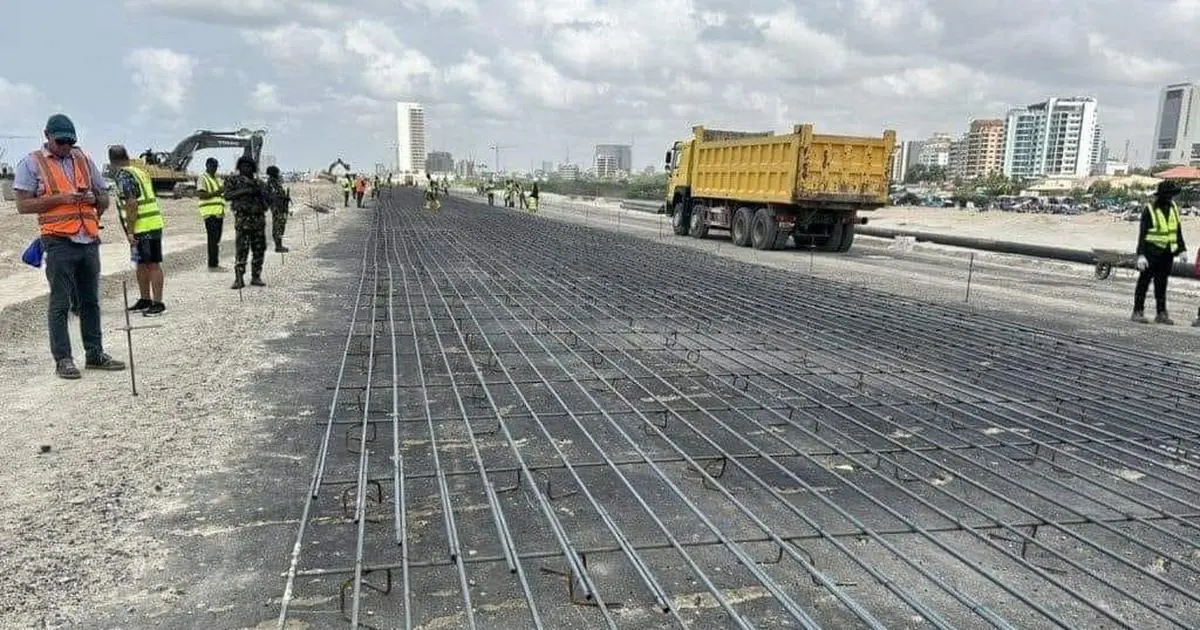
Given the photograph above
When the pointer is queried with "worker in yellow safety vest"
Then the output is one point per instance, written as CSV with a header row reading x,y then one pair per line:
x,y
346,186
211,192
1160,240
142,220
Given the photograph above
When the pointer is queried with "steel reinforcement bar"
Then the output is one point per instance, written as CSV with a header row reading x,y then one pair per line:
x,y
538,424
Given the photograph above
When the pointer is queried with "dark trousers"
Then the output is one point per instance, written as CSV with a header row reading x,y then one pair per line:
x,y
213,226
73,271
358,198
346,198
1158,272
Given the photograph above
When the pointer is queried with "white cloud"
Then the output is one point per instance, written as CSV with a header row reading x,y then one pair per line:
x,y
476,76
539,79
265,99
163,77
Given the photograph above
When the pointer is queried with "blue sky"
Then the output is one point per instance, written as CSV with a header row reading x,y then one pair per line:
x,y
558,76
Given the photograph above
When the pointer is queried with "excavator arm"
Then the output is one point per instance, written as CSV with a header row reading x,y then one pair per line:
x,y
334,165
251,143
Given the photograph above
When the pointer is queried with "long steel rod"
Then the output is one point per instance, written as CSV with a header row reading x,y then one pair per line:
x,y
319,464
399,494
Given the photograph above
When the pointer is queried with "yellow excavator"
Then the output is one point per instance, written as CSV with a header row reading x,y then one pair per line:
x,y
328,174
168,170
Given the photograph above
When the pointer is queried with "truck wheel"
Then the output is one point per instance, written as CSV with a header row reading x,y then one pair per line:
x,y
699,224
742,222
680,222
847,238
833,242
764,230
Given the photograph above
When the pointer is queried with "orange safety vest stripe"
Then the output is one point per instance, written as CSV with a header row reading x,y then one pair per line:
x,y
67,219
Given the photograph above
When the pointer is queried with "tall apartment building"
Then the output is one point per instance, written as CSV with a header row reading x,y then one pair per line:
x,y
410,138
903,159
1177,130
439,162
1057,137
936,150
956,166
619,155
984,149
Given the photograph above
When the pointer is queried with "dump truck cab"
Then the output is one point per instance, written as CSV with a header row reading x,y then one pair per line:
x,y
677,165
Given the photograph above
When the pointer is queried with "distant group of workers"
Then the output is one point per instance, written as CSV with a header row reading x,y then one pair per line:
x,y
62,186
514,195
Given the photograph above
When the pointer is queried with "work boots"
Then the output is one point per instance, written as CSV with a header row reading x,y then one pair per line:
x,y
257,281
1163,318
238,282
1139,317
279,248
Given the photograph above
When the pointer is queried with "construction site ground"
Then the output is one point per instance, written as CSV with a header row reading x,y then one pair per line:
x,y
179,508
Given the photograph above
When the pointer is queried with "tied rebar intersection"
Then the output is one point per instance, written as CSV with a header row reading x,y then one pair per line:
x,y
542,425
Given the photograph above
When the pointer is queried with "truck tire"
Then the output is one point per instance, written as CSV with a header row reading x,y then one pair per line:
x,y
699,224
680,221
764,230
833,242
847,238
740,230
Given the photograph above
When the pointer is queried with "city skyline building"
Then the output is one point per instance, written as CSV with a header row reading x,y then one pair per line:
x,y
411,138
1177,126
1056,137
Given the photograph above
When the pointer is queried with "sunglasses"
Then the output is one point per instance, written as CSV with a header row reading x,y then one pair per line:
x,y
64,143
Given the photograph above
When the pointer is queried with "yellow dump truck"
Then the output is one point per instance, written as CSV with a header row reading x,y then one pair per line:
x,y
765,187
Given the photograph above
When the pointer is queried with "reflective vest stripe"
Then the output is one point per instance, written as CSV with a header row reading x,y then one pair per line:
x,y
69,219
213,206
1164,227
149,215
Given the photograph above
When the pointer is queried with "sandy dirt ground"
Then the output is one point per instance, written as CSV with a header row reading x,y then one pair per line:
x,y
1086,232
88,468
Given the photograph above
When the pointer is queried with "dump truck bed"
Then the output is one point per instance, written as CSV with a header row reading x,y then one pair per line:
x,y
800,168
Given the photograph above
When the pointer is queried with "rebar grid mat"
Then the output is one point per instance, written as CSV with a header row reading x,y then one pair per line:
x,y
543,425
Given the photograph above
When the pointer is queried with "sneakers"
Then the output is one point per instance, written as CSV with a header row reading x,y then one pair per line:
x,y
104,362
154,310
1139,317
141,305
65,368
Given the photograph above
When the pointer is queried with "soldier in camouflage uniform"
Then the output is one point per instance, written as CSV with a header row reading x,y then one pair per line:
x,y
278,200
248,200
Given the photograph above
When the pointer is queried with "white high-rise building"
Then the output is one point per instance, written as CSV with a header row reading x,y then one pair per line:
x,y
1177,130
411,138
1058,137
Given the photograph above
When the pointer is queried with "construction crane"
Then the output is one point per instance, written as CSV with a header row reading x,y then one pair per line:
x,y
496,148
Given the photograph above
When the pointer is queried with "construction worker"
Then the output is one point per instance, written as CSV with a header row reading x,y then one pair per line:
x,y
62,186
431,195
248,201
1160,240
212,210
533,198
346,185
142,221
508,193
279,199
360,190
